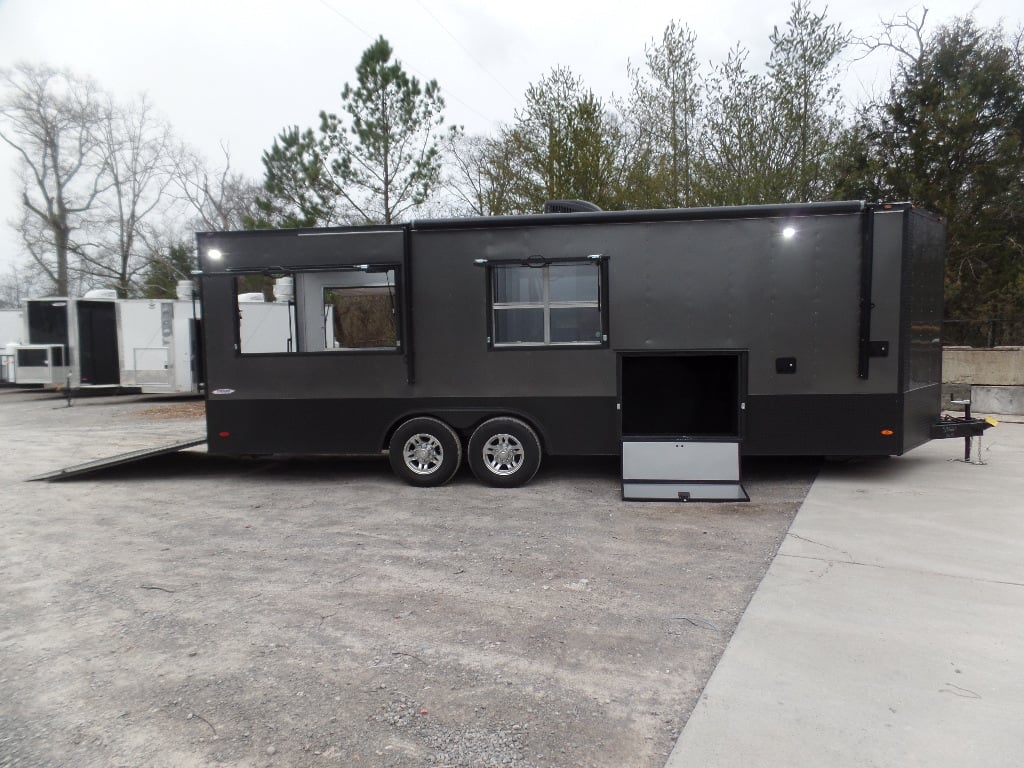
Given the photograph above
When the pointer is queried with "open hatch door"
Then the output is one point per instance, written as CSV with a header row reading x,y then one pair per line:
x,y
681,426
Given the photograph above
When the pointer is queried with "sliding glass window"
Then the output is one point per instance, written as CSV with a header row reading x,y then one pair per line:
x,y
550,304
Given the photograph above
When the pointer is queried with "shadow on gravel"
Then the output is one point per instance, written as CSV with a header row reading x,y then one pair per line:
x,y
185,464
180,466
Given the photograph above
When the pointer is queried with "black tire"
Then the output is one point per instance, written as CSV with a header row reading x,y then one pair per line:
x,y
504,452
425,452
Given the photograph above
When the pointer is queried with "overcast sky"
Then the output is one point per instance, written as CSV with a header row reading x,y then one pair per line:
x,y
238,71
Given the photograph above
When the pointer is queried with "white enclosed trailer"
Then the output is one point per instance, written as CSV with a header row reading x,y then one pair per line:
x,y
266,327
12,326
158,340
11,330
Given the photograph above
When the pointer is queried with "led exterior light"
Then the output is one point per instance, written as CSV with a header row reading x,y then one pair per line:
x,y
789,232
214,254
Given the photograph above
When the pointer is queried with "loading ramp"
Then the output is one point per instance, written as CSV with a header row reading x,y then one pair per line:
x,y
114,461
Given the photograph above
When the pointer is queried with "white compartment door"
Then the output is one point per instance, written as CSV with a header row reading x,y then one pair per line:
x,y
681,470
152,365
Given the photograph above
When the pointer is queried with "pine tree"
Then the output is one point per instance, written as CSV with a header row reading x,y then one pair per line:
x,y
386,157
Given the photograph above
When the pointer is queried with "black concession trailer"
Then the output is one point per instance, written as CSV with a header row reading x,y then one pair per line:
x,y
678,339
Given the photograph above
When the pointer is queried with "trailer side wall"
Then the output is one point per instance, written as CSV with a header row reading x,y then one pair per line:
x,y
785,290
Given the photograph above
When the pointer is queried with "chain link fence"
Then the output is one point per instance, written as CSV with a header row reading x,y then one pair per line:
x,y
1000,332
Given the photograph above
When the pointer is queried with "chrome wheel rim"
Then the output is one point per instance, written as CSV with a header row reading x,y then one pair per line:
x,y
503,454
423,454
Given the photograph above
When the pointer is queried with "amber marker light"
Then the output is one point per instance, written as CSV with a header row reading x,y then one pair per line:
x,y
888,432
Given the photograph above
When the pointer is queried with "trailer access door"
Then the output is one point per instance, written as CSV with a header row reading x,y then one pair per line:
x,y
682,417
97,343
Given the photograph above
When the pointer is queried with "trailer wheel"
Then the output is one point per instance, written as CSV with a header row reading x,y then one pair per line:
x,y
425,452
504,452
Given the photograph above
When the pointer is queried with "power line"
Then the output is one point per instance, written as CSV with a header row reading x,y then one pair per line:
x,y
464,49
346,18
450,94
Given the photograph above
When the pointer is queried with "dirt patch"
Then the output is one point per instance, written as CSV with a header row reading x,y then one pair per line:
x,y
185,409
196,611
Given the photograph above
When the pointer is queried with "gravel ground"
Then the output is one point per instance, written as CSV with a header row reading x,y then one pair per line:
x,y
191,610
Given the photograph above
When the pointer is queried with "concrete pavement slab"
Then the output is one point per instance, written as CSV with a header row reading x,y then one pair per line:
x,y
889,631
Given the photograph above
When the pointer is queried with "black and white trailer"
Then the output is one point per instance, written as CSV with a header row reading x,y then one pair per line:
x,y
678,339
70,342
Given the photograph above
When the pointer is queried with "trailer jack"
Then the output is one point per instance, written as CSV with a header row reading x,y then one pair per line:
x,y
963,426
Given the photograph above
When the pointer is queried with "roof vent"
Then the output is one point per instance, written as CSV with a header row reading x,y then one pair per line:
x,y
185,290
284,288
101,293
570,206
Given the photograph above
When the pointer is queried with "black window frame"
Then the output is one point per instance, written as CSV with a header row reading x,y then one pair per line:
x,y
600,262
297,330
393,292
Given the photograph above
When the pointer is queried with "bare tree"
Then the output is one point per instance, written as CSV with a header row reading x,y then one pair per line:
x,y
902,35
138,162
17,284
478,176
52,120
218,198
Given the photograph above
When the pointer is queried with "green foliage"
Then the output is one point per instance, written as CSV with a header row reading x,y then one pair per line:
x,y
805,89
949,138
166,269
296,192
563,145
373,164
732,137
387,159
776,137
740,149
663,113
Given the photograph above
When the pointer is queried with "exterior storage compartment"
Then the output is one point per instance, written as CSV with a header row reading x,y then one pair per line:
x,y
681,470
